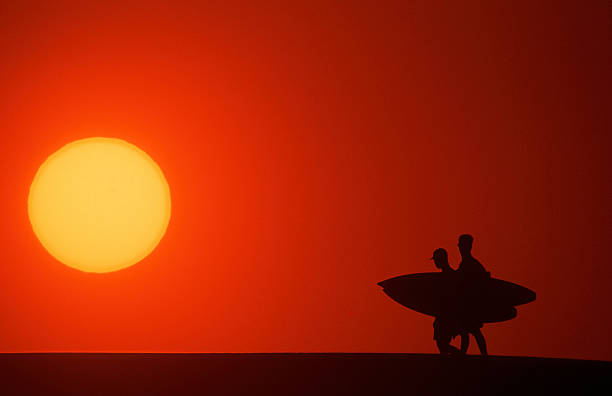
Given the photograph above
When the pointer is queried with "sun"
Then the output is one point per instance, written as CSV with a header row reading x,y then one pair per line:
x,y
99,204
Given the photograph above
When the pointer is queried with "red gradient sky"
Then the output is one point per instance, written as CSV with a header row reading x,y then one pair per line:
x,y
313,150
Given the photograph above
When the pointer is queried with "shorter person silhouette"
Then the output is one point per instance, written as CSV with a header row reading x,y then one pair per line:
x,y
446,323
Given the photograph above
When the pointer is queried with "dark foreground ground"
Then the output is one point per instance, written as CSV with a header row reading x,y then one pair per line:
x,y
297,374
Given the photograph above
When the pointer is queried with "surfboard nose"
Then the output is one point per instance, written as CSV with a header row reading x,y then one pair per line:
x,y
529,296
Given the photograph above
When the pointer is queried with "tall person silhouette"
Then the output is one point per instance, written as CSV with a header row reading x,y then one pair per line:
x,y
471,273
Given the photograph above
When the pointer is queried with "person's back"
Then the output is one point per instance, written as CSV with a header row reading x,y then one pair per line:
x,y
471,266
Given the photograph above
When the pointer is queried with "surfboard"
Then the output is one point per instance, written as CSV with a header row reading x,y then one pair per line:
x,y
491,300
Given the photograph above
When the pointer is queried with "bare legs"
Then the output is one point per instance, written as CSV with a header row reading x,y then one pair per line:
x,y
443,339
480,340
443,346
446,348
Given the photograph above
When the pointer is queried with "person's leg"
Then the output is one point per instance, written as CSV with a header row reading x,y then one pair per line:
x,y
442,346
480,340
443,340
453,351
465,342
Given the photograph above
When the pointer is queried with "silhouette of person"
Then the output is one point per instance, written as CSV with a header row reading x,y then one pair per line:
x,y
470,272
445,325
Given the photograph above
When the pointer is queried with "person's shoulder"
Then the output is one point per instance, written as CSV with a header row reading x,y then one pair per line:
x,y
471,265
479,264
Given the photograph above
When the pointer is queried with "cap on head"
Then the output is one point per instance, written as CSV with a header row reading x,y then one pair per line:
x,y
439,253
466,240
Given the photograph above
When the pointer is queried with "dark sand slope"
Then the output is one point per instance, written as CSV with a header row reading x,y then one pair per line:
x,y
297,374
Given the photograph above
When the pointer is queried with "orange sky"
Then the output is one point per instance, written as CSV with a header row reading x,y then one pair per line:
x,y
312,151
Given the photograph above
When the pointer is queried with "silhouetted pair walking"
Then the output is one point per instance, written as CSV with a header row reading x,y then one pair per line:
x,y
461,300
460,295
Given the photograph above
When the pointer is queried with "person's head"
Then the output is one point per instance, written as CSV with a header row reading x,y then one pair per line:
x,y
465,244
440,258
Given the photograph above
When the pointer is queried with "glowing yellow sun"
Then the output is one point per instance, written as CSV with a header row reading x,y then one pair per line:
x,y
99,204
